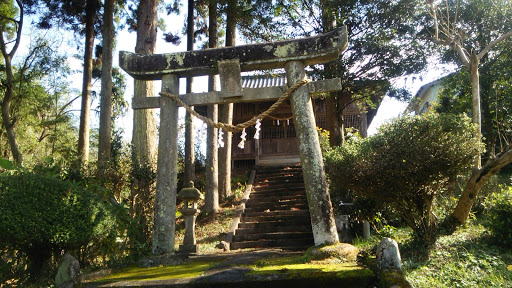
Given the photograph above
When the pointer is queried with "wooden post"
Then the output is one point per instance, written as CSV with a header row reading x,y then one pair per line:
x,y
320,207
166,178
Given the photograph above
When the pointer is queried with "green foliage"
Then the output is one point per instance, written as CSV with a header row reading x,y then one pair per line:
x,y
323,137
464,259
41,214
499,209
408,164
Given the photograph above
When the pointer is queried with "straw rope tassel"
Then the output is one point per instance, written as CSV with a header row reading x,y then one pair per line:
x,y
241,126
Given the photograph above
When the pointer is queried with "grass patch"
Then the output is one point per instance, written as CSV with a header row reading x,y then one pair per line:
x,y
189,270
466,258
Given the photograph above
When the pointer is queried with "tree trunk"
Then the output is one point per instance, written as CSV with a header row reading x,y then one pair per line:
x,y
478,178
144,147
331,120
105,129
144,126
189,125
212,161
6,106
331,109
226,111
475,91
83,133
487,119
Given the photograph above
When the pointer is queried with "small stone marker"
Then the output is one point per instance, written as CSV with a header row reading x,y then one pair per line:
x,y
343,227
67,272
223,245
189,195
366,229
388,255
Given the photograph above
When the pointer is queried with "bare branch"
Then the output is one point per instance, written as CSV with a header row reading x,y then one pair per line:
x,y
63,108
18,31
494,43
9,19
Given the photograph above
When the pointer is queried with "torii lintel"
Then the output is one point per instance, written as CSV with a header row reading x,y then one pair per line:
x,y
311,50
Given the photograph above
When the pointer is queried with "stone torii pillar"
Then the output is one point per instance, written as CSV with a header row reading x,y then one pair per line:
x,y
317,190
292,55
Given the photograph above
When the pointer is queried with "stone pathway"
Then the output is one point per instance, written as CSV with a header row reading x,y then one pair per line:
x,y
232,272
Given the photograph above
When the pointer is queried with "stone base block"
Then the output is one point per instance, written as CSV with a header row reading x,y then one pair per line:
x,y
189,249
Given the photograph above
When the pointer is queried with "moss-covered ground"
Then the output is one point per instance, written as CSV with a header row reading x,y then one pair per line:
x,y
294,266
188,270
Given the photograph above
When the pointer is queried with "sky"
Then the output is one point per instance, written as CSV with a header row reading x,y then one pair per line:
x,y
389,108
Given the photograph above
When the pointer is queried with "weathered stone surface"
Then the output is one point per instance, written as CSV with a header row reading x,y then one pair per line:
x,y
248,95
190,193
366,229
167,173
341,251
343,228
312,50
393,278
230,78
388,255
67,272
319,201
223,245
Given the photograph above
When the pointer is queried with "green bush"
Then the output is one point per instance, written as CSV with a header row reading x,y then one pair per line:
x,y
409,164
499,209
41,215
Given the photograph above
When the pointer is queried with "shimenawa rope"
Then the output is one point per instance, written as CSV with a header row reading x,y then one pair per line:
x,y
238,127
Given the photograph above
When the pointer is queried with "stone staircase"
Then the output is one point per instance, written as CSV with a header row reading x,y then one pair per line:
x,y
276,214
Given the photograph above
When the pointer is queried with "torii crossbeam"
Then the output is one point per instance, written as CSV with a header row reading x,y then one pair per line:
x,y
292,55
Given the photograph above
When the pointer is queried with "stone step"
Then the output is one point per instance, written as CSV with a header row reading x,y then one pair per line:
x,y
280,177
280,208
280,187
283,243
277,198
271,224
276,201
276,213
275,229
271,236
278,170
276,185
274,218
284,194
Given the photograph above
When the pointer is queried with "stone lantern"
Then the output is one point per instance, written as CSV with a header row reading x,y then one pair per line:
x,y
189,195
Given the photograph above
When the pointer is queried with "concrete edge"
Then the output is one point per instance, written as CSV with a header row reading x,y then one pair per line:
x,y
240,209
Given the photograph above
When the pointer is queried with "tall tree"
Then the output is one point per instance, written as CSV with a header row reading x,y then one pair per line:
x,y
105,129
382,44
226,110
189,124
79,16
332,122
144,125
91,9
10,30
453,24
144,147
212,176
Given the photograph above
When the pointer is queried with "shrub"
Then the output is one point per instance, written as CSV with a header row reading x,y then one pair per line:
x,y
41,215
408,164
499,210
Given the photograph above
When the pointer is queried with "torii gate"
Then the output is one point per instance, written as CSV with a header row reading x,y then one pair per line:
x,y
228,62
